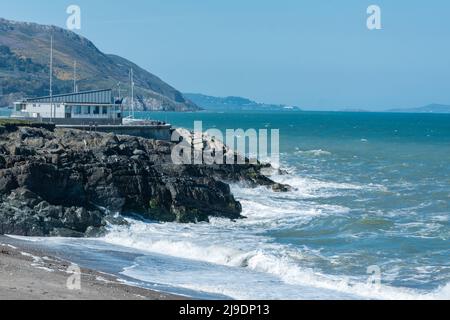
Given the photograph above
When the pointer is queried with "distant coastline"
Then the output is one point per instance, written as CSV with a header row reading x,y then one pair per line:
x,y
432,108
235,103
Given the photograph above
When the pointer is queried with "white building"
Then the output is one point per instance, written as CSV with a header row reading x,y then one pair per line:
x,y
83,108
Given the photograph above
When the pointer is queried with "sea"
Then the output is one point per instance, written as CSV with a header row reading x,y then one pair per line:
x,y
368,216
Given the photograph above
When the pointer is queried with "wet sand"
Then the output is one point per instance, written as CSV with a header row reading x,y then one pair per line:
x,y
29,274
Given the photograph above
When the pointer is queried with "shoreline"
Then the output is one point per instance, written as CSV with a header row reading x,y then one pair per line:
x,y
30,274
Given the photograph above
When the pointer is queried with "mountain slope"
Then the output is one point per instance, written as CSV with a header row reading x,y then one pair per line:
x,y
24,68
234,104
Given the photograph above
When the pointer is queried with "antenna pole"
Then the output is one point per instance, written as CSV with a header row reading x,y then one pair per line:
x,y
132,93
75,90
51,78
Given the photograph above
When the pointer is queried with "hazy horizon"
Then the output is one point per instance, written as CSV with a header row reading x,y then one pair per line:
x,y
329,108
311,54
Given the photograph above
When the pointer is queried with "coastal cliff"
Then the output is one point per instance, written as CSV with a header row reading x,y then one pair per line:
x,y
74,183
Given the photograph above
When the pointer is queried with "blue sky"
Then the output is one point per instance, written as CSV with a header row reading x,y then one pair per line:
x,y
311,53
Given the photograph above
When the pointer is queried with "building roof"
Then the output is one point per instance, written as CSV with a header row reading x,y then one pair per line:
x,y
94,97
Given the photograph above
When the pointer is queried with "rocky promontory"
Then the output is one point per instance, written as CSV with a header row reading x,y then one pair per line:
x,y
60,182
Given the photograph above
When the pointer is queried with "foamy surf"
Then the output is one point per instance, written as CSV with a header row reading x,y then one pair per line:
x,y
362,196
314,153
227,258
246,260
197,243
245,248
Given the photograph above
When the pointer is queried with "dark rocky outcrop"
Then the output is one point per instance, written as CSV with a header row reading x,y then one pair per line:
x,y
73,183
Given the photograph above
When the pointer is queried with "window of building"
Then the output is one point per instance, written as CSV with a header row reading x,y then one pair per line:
x,y
104,110
97,110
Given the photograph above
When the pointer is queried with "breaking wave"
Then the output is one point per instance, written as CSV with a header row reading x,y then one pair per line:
x,y
248,245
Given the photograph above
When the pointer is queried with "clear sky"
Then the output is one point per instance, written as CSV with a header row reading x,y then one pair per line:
x,y
310,53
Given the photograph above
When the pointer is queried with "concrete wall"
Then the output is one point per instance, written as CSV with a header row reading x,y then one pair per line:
x,y
84,122
162,132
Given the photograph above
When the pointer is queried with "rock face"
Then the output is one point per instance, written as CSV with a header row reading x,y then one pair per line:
x,y
73,183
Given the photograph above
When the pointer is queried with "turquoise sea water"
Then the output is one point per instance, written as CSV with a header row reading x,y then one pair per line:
x,y
371,189
388,175
4,112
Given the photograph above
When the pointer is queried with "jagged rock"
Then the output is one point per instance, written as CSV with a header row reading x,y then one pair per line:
x,y
277,187
93,232
115,220
66,233
54,182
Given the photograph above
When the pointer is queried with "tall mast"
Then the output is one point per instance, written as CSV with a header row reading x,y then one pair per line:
x,y
132,92
51,78
75,90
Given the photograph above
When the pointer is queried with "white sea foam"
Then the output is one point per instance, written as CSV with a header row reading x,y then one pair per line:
x,y
240,255
244,245
310,188
314,153
8,245
249,252
38,262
